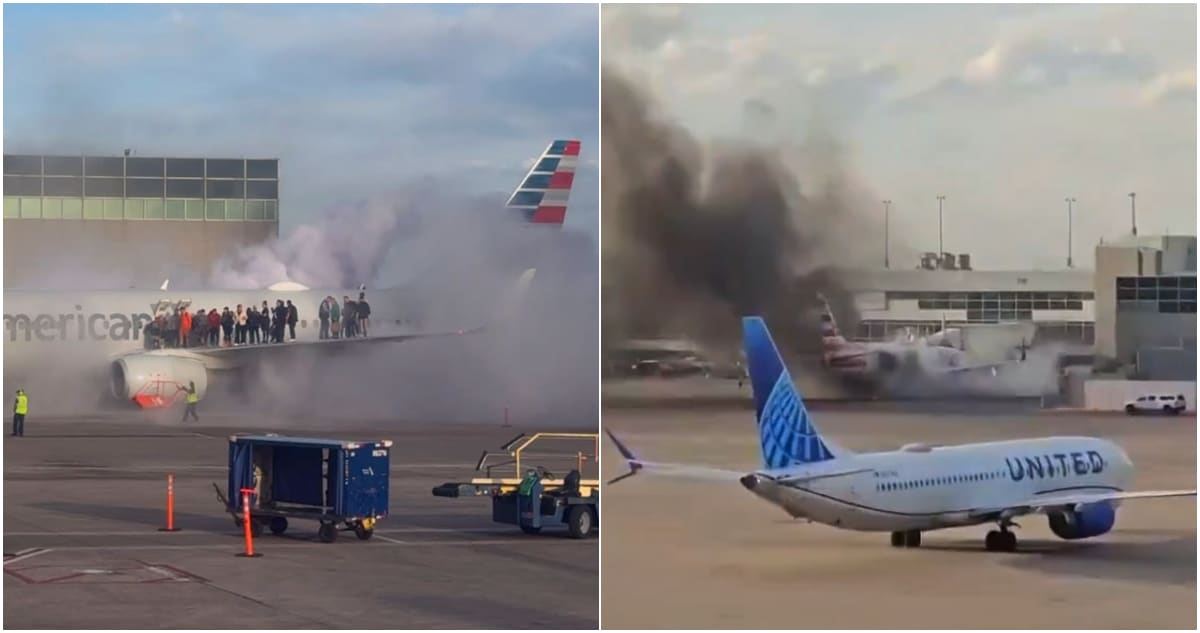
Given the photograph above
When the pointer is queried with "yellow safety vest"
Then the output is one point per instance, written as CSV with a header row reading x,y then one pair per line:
x,y
22,404
192,398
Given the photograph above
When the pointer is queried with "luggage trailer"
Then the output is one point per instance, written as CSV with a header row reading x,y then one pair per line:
x,y
548,500
343,485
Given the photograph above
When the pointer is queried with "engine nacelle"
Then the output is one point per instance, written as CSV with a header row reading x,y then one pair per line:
x,y
156,381
1090,520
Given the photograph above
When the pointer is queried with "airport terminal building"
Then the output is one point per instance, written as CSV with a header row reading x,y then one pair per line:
x,y
193,209
1137,309
1061,303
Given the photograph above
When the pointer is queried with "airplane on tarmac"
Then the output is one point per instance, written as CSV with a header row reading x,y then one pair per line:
x,y
1077,482
906,357
106,327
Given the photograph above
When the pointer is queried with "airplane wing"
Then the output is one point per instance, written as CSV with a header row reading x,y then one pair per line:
x,y
993,367
707,473
217,358
685,471
1062,502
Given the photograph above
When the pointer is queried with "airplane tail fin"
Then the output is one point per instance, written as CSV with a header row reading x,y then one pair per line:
x,y
542,195
787,435
831,338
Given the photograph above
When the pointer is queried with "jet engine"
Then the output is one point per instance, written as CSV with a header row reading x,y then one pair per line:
x,y
1087,521
155,381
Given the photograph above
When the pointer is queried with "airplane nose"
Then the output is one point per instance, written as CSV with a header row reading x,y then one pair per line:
x,y
749,481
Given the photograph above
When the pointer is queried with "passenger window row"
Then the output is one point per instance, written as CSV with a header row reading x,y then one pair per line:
x,y
936,481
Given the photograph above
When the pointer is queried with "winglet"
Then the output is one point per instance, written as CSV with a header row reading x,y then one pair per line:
x,y
634,464
543,193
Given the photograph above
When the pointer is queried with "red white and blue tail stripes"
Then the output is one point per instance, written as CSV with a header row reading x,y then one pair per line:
x,y
542,195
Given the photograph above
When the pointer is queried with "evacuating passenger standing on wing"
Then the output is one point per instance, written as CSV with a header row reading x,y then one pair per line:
x,y
323,316
349,317
214,328
292,317
185,327
281,314
227,327
335,317
200,328
252,328
364,313
264,323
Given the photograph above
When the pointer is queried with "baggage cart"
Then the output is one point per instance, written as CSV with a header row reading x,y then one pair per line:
x,y
343,485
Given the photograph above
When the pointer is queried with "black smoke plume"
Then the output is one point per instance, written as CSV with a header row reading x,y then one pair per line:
x,y
696,235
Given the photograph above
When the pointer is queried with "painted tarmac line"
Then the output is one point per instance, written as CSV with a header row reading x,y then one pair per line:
x,y
185,532
28,554
178,469
306,545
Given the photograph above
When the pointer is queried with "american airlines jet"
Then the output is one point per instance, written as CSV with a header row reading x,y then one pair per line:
x,y
883,364
1077,482
106,327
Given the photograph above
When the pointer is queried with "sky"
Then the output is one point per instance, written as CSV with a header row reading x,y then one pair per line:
x,y
355,100
1004,110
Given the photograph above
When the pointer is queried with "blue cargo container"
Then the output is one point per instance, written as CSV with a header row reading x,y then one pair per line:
x,y
341,484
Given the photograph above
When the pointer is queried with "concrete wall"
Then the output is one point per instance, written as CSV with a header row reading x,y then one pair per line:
x,y
123,253
1114,261
1167,364
1143,328
1111,395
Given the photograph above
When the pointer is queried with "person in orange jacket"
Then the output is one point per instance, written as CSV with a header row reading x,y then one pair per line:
x,y
185,327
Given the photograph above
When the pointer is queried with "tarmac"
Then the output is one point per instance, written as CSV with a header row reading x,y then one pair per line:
x,y
84,499
683,554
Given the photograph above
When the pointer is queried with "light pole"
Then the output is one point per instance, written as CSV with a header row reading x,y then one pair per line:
x,y
941,199
1070,202
887,204
1133,210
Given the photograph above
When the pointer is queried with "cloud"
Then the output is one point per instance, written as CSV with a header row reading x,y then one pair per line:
x,y
353,99
1177,85
1030,64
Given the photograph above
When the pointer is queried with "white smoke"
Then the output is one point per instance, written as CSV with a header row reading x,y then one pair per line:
x,y
457,257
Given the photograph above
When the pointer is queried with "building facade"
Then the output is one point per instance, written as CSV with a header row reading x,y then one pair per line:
x,y
1141,257
116,211
1060,303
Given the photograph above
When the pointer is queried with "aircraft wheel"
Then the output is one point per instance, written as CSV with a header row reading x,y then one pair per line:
x,y
897,539
1130,409
1008,542
912,538
992,541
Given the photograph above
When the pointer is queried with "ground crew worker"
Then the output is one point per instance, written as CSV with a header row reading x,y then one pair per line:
x,y
192,399
526,487
20,408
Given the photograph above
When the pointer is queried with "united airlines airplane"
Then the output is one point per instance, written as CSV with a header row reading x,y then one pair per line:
x,y
107,327
1077,482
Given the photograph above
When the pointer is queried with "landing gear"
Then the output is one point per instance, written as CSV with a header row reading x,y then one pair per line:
x,y
911,538
1000,540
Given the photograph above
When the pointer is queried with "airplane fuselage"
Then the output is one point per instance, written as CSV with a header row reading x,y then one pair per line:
x,y
103,324
932,488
